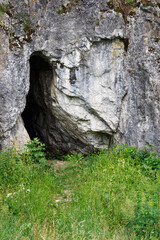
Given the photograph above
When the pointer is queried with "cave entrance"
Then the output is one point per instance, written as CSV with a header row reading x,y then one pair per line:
x,y
43,117
37,101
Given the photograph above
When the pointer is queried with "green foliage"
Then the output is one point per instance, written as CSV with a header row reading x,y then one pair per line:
x,y
78,157
97,23
3,8
34,153
132,2
148,3
26,24
117,9
13,163
61,10
12,169
146,219
110,195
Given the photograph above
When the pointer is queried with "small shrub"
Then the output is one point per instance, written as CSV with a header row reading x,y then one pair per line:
x,y
34,153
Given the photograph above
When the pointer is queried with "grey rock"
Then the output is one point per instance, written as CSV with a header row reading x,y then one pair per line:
x,y
79,80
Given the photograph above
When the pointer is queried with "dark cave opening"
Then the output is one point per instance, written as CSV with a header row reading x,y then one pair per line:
x,y
35,112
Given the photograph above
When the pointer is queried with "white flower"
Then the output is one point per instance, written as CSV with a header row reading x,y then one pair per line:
x,y
9,194
28,190
22,186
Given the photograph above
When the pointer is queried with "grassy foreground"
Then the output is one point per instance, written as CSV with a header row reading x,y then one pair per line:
x,y
111,195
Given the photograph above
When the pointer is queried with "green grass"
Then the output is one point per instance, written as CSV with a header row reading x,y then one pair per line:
x,y
111,195
3,8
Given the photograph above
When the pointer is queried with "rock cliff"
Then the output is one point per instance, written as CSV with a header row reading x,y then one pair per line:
x,y
79,74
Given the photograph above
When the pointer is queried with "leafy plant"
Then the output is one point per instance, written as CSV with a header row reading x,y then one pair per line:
x,y
74,157
34,153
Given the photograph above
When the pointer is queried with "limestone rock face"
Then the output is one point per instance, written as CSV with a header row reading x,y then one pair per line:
x,y
79,75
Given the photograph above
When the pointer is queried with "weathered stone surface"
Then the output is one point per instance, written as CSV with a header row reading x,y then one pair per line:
x,y
18,135
80,79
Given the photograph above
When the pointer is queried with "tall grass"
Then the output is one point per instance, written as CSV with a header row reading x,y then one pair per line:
x,y
110,195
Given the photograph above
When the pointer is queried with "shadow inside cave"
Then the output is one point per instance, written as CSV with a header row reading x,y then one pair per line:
x,y
35,113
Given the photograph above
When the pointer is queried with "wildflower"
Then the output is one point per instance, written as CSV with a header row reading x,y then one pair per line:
x,y
22,186
9,194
